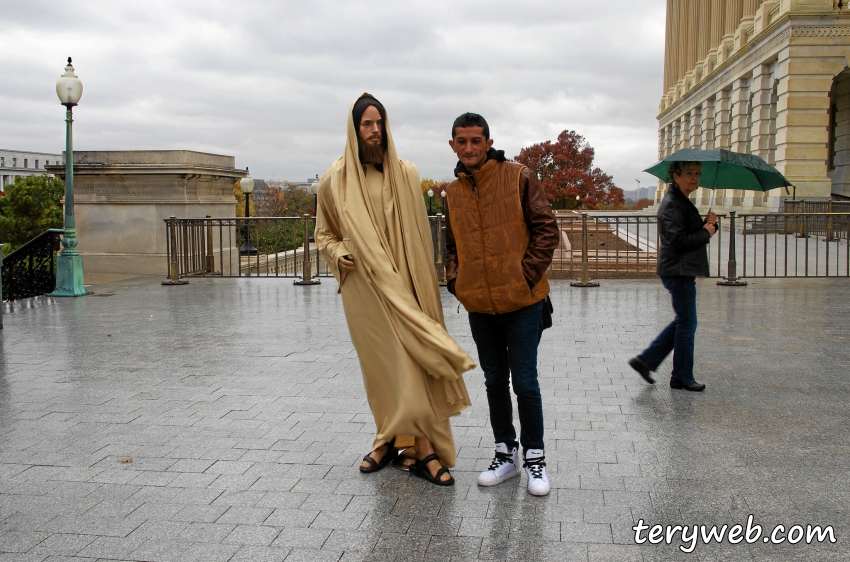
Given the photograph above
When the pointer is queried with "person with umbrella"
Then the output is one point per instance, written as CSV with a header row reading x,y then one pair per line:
x,y
682,257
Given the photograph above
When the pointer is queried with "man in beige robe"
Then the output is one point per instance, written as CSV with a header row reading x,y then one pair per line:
x,y
373,231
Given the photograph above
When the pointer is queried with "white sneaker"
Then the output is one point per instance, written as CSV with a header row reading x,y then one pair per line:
x,y
505,465
535,470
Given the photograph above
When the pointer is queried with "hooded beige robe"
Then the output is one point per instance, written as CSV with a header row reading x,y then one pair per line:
x,y
412,369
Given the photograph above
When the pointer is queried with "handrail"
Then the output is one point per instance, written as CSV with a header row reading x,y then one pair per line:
x,y
30,270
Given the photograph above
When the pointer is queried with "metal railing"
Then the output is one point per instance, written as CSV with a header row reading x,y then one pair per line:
x,y
795,245
252,247
619,245
241,247
30,270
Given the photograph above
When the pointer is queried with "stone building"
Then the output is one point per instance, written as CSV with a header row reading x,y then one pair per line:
x,y
20,163
766,77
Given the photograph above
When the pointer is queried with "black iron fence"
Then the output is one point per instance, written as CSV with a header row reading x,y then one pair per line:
x,y
242,247
795,245
618,245
30,270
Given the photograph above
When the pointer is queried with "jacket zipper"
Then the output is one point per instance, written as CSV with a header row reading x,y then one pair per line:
x,y
483,256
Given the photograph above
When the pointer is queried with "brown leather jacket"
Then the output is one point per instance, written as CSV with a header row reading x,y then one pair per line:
x,y
506,237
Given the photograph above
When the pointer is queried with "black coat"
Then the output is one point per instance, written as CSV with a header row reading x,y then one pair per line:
x,y
683,238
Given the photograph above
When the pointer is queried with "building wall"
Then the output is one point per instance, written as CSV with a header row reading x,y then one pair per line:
x,y
757,76
20,163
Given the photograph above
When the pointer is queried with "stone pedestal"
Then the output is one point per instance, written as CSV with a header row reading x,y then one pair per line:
x,y
122,197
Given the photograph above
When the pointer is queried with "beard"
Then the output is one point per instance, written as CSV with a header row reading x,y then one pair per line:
x,y
371,153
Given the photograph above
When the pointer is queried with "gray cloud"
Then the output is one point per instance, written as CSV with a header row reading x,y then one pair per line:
x,y
271,82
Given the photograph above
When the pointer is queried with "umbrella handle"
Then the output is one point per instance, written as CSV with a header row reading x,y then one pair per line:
x,y
711,203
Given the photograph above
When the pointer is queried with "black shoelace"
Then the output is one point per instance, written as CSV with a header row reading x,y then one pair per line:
x,y
535,466
501,458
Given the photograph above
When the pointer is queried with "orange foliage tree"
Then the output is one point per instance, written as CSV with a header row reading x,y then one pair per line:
x,y
287,201
565,168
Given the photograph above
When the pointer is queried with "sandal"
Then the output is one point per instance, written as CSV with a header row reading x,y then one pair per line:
x,y
420,469
385,460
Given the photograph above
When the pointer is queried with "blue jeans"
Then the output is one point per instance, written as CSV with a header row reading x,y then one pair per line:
x,y
507,351
678,336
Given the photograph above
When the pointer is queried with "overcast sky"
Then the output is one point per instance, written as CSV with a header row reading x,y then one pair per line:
x,y
271,82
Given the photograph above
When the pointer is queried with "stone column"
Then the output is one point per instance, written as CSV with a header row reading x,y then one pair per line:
x,y
762,90
669,47
668,140
722,120
707,127
739,123
731,20
718,15
677,134
802,119
707,124
662,152
695,133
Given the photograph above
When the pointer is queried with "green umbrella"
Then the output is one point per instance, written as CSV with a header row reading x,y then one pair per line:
x,y
724,169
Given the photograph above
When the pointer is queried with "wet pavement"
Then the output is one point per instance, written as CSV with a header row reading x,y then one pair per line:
x,y
225,420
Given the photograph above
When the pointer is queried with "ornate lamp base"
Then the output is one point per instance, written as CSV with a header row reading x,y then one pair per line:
x,y
69,277
732,283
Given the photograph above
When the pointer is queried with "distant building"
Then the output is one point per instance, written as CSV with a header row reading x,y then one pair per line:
x,y
302,184
20,163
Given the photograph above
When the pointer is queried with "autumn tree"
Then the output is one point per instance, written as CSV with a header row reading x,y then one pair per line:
x,y
433,204
31,206
286,201
642,203
240,202
565,168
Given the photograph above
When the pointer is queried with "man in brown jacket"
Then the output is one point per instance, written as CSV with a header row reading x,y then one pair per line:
x,y
500,238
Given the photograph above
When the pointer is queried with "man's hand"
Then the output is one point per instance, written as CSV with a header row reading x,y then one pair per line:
x,y
346,263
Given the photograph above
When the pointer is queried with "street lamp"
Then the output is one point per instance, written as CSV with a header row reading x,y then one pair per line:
x,y
578,201
638,180
69,264
443,202
246,184
314,189
430,197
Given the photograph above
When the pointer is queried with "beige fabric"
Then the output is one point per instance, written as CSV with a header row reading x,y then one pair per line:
x,y
412,369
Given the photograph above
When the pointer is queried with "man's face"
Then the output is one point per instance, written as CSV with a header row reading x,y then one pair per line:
x,y
471,147
371,128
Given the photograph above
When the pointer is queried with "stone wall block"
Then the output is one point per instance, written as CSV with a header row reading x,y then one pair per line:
x,y
807,6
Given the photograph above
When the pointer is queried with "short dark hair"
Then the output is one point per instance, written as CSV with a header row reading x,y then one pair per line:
x,y
471,120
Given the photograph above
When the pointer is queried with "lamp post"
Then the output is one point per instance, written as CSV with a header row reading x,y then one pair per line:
x,y
314,189
443,202
430,198
638,182
246,184
69,264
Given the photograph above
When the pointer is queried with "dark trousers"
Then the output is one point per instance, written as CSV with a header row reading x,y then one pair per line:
x,y
678,336
507,351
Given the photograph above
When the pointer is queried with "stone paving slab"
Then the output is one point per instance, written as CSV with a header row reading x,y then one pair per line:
x,y
225,419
